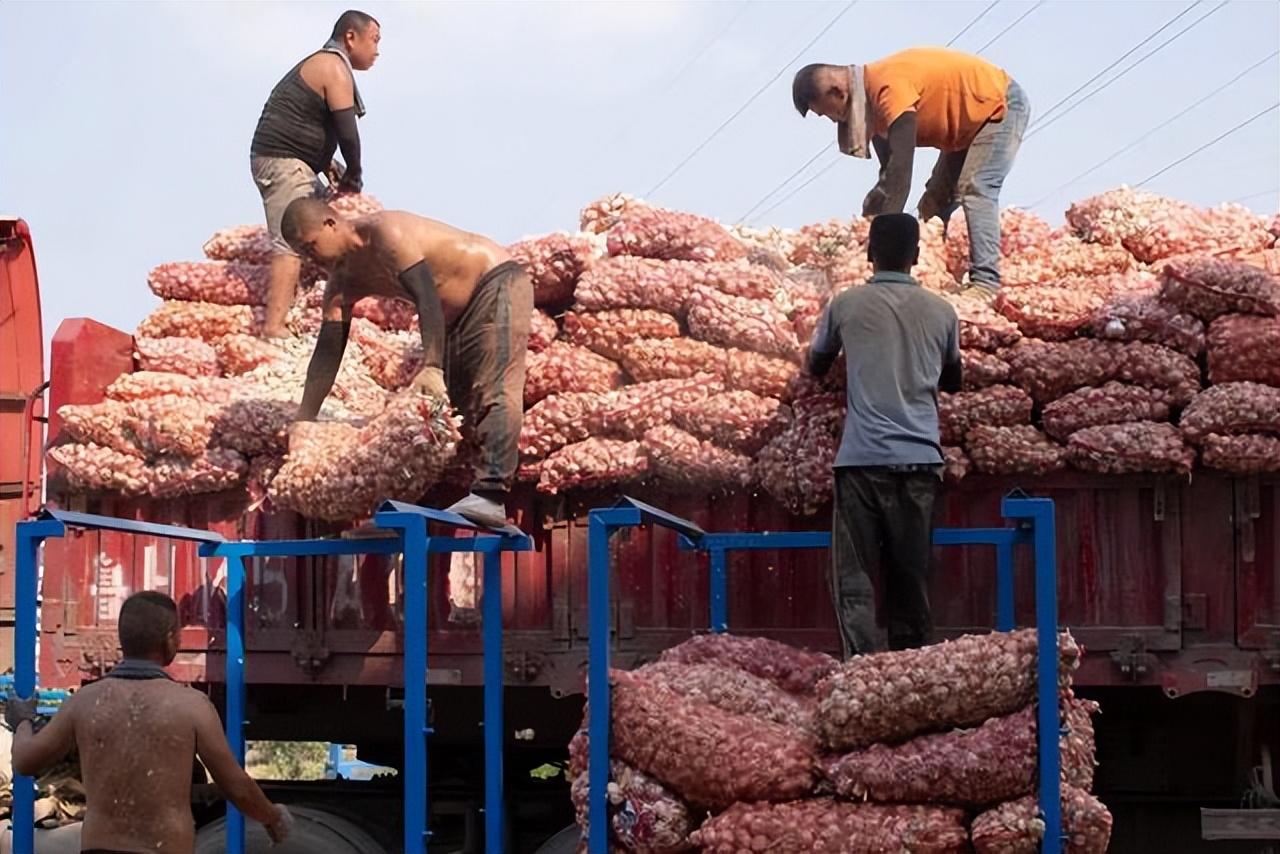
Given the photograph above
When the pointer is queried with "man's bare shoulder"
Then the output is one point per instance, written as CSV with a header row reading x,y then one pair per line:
x,y
322,65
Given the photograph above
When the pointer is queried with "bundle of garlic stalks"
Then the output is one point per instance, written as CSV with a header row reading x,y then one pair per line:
x,y
669,348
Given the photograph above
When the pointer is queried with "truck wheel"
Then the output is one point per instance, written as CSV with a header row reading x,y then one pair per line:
x,y
564,842
314,832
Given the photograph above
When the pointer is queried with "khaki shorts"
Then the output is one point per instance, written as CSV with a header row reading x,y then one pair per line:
x,y
280,180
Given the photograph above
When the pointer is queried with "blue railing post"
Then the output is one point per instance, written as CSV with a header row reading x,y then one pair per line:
x,y
235,722
719,572
1005,619
598,572
491,605
416,727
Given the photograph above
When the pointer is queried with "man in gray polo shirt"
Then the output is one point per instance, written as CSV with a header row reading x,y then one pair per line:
x,y
901,345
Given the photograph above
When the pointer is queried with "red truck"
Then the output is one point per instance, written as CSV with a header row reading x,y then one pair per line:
x,y
1172,585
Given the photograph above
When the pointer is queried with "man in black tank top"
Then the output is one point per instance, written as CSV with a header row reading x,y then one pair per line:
x,y
310,114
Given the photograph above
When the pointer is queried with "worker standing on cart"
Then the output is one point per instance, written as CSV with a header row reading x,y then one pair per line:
x,y
901,345
474,307
972,111
138,733
310,113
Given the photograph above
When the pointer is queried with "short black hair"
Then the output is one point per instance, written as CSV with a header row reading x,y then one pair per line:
x,y
302,215
804,87
147,619
352,20
894,242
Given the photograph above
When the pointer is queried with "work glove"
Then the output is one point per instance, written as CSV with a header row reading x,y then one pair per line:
x,y
17,710
282,826
349,184
931,206
874,203
431,381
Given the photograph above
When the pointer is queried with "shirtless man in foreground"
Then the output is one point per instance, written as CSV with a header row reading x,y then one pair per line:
x,y
138,733
474,305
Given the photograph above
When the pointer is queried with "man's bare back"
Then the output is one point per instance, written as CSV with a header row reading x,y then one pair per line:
x,y
396,240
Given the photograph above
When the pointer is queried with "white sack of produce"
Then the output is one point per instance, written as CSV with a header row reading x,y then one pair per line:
x,y
981,327
1140,446
955,464
1064,256
106,423
995,761
734,690
628,282
94,467
559,420
1110,403
394,315
795,466
567,367
1050,369
144,384
247,243
892,696
215,470
767,376
335,473
241,353
97,467
1244,454
1244,347
1020,231
542,330
599,216
1144,316
747,324
221,282
204,320
645,817
794,670
980,369
672,235
1232,408
1017,827
708,756
649,359
743,279
171,424
609,332
1209,288
1013,450
1053,312
997,405
740,421
827,826
254,427
633,410
392,359
554,263
680,458
187,356
592,464
819,243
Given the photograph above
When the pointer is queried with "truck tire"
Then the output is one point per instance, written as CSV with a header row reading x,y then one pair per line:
x,y
314,832
564,842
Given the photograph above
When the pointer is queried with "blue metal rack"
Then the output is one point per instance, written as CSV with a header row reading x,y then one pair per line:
x,y
1035,518
410,524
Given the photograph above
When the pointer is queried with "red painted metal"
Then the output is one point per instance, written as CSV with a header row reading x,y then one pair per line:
x,y
1257,509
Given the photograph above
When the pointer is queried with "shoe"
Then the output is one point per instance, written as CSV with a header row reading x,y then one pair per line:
x,y
984,293
481,511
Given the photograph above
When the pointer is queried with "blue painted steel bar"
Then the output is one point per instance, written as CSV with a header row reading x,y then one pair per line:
x,y
129,526
1005,618
661,517
1040,513
718,573
235,721
29,536
491,607
1004,540
303,548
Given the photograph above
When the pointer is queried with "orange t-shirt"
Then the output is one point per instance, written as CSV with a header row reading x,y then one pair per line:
x,y
953,94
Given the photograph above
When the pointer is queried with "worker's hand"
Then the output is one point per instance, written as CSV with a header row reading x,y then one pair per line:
x,y
280,331
874,203
17,710
349,184
334,173
930,206
280,828
431,381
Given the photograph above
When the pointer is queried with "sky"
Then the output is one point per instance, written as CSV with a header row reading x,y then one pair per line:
x,y
127,125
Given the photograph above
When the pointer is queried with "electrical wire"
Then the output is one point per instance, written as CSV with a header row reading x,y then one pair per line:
x,y
970,25
824,170
1211,142
1017,21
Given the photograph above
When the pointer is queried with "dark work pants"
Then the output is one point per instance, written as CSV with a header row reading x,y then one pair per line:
x,y
484,372
882,519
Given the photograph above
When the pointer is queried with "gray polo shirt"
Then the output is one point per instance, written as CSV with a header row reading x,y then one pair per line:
x,y
896,337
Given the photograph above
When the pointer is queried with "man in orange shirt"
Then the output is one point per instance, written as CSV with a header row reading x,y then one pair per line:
x,y
973,112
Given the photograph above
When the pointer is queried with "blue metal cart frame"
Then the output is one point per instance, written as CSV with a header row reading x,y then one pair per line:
x,y
1036,527
409,522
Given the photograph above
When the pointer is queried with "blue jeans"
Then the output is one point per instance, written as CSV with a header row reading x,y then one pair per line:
x,y
977,174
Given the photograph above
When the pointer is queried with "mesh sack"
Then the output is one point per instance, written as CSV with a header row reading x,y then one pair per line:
x,y
1243,454
981,327
1111,403
1209,287
95,467
955,464
106,424
734,690
215,470
644,815
795,466
204,320
628,282
1140,446
187,356
603,214
997,405
1244,347
672,235
794,670
1232,408
651,359
609,332
766,376
221,282
682,459
1020,231
747,324
559,420
739,421
1144,316
1013,450
1017,827
565,367
980,369
555,262
240,353
1051,312
144,384
542,330
633,410
593,464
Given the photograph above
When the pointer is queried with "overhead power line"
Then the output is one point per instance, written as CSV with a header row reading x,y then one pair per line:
x,y
970,25
750,100
1153,131
1208,144
782,201
1130,67
785,181
1017,21
743,5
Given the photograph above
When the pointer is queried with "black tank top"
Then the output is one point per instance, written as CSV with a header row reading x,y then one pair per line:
x,y
296,123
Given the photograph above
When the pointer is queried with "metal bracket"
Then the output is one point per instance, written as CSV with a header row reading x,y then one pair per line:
x,y
1271,653
309,653
1158,499
1132,658
524,666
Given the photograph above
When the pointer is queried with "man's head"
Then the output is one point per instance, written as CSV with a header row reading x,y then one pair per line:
x,y
823,89
359,34
149,627
894,244
316,231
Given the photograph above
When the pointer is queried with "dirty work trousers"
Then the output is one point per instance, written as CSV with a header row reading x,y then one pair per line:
x,y
883,519
484,372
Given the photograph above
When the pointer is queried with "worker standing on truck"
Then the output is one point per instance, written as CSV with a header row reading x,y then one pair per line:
x,y
969,109
310,113
901,344
138,733
474,307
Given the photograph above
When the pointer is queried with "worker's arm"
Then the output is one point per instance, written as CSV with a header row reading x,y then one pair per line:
x,y
421,286
237,786
825,346
340,97
331,343
896,154
952,379
34,752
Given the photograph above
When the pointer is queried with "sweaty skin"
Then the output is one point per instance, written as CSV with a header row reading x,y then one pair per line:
x,y
137,741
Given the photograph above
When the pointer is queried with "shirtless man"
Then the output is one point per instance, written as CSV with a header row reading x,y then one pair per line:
x,y
138,733
474,305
